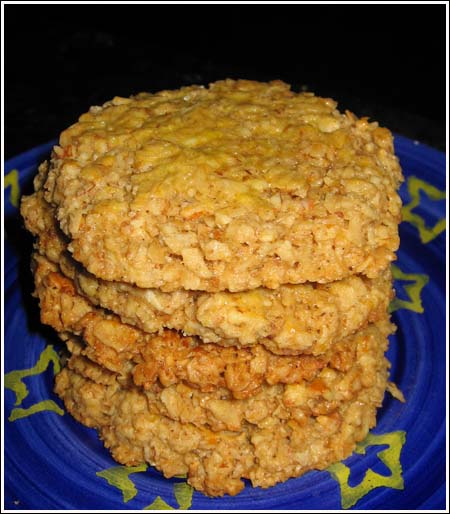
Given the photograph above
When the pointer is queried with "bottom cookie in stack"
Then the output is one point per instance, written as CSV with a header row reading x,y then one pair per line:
x,y
313,425
217,414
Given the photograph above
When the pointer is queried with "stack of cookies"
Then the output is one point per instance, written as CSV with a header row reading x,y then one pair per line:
x,y
217,261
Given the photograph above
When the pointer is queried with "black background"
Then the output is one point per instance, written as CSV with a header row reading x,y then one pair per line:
x,y
382,61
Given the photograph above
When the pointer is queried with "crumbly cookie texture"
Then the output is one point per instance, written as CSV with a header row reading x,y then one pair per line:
x,y
281,433
304,318
319,390
231,187
170,358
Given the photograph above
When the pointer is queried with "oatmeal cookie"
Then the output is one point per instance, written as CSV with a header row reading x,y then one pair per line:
x,y
293,319
266,451
315,394
170,358
231,187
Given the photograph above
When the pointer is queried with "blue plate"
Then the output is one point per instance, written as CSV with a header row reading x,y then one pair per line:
x,y
53,462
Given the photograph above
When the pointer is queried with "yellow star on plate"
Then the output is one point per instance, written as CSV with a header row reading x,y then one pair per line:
x,y
13,381
119,476
389,456
414,290
415,185
183,495
12,180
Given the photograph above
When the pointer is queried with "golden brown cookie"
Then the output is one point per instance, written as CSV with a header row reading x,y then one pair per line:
x,y
312,426
294,319
231,187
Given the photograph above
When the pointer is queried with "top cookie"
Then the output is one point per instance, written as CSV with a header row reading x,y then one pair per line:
x,y
231,187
